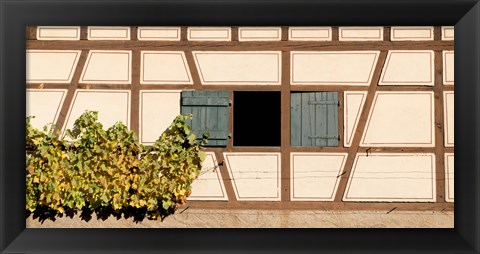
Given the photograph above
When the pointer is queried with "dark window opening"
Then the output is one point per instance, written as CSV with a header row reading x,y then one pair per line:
x,y
256,119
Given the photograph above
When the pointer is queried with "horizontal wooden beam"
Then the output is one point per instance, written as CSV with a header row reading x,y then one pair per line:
x,y
239,46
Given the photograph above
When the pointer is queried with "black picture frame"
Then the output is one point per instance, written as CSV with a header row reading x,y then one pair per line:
x,y
15,15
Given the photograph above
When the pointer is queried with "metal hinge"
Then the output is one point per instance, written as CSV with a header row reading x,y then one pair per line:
x,y
325,137
324,103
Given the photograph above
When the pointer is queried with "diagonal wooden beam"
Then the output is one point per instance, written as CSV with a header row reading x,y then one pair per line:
x,y
197,84
360,127
71,91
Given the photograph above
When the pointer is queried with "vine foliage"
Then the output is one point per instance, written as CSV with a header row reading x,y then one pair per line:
x,y
92,168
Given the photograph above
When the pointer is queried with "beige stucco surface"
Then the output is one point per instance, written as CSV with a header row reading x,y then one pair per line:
x,y
259,33
409,33
448,33
166,33
209,33
209,184
108,67
255,176
333,67
353,106
112,106
45,105
164,67
238,68
108,33
389,177
58,33
308,33
314,176
220,218
400,119
51,66
158,108
449,116
449,67
408,67
449,177
356,33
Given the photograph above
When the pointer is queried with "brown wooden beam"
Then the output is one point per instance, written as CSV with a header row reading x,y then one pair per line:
x,y
325,205
439,127
239,46
61,121
360,127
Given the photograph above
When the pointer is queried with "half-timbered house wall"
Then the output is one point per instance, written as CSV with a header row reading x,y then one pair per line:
x,y
365,114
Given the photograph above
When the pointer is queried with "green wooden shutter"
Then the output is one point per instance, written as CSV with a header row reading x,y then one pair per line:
x,y
314,119
210,114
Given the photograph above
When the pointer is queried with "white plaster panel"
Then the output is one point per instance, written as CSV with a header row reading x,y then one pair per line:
x,y
408,67
314,176
448,33
51,66
448,67
209,34
333,67
255,176
449,177
108,67
367,33
112,106
239,68
392,177
164,67
108,33
158,33
158,109
400,119
449,115
209,184
308,33
58,33
45,105
259,33
353,105
411,33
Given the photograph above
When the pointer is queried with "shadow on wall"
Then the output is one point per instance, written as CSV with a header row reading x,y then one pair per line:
x,y
43,213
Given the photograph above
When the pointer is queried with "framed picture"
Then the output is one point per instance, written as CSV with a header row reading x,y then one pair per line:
x,y
376,81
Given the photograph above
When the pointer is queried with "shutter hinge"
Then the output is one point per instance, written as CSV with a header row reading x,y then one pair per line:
x,y
324,103
325,137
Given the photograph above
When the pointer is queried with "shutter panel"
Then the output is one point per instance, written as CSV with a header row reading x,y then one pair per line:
x,y
210,114
314,119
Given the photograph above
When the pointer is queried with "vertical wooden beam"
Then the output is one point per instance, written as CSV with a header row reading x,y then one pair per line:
x,y
134,33
235,33
439,128
284,33
386,33
285,124
335,36
83,32
71,91
360,127
341,110
230,123
135,92
31,33
183,33
437,33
